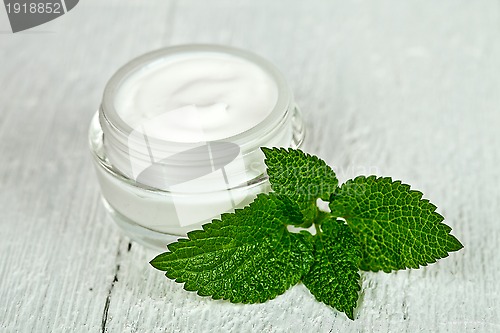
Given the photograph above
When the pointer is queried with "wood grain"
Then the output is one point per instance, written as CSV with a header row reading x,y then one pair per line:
x,y
407,89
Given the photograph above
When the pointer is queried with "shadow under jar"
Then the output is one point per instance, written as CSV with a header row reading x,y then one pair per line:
x,y
176,140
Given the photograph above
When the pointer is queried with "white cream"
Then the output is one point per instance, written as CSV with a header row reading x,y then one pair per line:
x,y
224,94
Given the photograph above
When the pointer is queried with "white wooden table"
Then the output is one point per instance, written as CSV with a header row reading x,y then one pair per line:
x,y
409,89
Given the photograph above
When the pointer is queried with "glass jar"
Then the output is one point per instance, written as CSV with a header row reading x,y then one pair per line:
x,y
158,188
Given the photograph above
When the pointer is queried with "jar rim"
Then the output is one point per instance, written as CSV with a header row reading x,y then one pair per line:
x,y
277,114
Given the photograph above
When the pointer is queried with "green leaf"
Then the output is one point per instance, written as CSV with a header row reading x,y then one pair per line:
x,y
334,278
302,177
247,256
395,227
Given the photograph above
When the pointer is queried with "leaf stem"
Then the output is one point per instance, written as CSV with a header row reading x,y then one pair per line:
x,y
318,229
321,216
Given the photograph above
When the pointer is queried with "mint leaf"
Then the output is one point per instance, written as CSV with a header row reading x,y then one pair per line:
x,y
247,256
396,228
334,278
302,177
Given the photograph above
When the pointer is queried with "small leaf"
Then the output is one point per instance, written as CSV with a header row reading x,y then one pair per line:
x,y
302,177
333,278
395,227
247,256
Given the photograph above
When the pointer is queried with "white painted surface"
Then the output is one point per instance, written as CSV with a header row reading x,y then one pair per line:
x,y
409,89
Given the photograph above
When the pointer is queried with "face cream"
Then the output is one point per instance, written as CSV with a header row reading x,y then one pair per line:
x,y
176,140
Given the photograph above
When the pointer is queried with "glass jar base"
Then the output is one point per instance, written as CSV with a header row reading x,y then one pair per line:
x,y
152,239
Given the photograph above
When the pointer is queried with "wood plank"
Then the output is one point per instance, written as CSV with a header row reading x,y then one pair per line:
x,y
406,89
